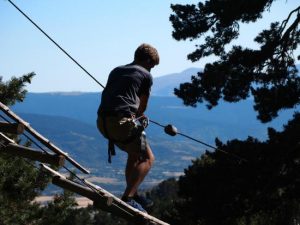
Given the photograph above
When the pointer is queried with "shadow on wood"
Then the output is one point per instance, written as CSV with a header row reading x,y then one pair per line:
x,y
33,154
12,128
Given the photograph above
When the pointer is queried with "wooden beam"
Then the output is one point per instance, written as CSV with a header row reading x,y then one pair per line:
x,y
50,170
33,154
12,128
100,198
99,201
5,140
139,217
62,181
74,187
82,190
121,209
41,138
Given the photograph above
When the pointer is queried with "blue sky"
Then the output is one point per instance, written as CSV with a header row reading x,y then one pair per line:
x,y
100,35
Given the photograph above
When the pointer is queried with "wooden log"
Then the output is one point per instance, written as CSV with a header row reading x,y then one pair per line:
x,y
74,187
33,154
77,188
99,197
99,200
41,138
138,216
5,140
52,171
12,128
101,191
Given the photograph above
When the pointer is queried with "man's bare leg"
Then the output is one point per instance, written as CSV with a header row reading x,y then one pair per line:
x,y
136,171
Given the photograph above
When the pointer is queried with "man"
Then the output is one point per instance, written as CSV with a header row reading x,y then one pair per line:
x,y
124,100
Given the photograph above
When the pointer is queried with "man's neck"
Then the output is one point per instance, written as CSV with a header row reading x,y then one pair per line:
x,y
143,64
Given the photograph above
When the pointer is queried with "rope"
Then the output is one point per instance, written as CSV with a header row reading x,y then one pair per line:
x,y
40,29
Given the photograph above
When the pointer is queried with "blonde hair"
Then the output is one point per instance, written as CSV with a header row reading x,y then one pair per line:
x,y
146,52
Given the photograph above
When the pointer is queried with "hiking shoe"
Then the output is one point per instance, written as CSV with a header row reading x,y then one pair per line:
x,y
136,205
145,202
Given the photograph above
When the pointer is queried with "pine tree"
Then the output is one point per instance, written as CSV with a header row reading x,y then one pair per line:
x,y
13,90
262,189
268,74
20,182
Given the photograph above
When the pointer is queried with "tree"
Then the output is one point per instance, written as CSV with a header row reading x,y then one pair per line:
x,y
13,90
62,211
262,189
269,73
163,196
20,182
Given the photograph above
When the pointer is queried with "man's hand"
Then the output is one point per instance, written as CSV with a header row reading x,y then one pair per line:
x,y
143,120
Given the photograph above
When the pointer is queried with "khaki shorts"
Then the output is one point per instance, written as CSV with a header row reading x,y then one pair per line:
x,y
121,129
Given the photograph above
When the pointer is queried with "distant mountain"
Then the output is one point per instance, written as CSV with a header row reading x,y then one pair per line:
x,y
164,85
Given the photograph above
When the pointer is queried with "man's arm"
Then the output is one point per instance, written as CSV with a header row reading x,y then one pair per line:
x,y
143,105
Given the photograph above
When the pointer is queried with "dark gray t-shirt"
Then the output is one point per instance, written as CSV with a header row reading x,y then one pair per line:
x,y
124,87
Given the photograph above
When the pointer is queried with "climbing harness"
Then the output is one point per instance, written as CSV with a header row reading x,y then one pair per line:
x,y
138,130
